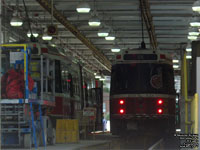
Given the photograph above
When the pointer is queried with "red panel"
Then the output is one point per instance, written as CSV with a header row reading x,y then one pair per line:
x,y
58,109
44,50
96,83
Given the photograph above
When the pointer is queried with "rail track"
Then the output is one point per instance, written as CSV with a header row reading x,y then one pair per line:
x,y
132,141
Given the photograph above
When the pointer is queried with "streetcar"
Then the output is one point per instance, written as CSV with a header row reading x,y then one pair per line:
x,y
55,87
142,95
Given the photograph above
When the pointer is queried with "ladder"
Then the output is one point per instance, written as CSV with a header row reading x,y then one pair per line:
x,y
34,128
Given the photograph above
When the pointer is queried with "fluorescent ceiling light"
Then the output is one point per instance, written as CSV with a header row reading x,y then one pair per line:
x,y
195,22
94,21
53,45
115,49
188,57
47,37
35,34
193,32
178,130
110,37
102,79
83,7
188,49
103,32
175,66
196,6
191,37
16,21
175,61
97,76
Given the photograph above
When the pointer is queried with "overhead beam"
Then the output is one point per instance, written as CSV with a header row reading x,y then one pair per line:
x,y
147,17
62,19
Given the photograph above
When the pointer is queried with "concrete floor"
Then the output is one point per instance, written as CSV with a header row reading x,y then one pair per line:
x,y
75,146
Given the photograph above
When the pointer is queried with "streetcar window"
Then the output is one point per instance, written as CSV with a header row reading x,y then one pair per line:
x,y
141,78
58,81
140,57
71,85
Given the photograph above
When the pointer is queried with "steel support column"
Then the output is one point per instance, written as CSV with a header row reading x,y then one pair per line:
x,y
62,19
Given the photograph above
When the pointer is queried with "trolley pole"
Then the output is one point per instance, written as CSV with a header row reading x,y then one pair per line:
x,y
1,41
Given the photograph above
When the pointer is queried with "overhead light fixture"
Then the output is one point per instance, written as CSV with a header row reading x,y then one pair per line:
x,y
102,79
195,22
192,37
16,21
94,21
47,37
110,37
103,32
188,49
175,61
83,7
53,45
175,66
196,6
97,76
95,73
178,130
115,48
35,34
188,55
193,32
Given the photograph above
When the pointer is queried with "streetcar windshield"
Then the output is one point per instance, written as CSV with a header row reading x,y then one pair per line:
x,y
140,78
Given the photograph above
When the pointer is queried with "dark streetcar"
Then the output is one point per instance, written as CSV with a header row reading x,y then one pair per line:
x,y
142,92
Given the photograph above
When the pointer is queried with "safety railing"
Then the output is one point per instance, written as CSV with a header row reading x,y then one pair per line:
x,y
23,48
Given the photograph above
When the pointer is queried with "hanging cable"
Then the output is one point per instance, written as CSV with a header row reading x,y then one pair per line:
x,y
29,23
52,12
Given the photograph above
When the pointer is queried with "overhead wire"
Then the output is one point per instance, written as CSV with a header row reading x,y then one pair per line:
x,y
29,22
143,46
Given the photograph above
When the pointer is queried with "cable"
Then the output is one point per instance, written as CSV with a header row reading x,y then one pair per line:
x,y
29,23
52,12
143,46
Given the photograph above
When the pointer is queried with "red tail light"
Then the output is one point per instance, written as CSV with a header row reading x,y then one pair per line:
x,y
159,111
121,111
68,80
160,102
121,101
118,56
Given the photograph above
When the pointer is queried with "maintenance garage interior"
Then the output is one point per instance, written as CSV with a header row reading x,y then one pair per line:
x,y
99,74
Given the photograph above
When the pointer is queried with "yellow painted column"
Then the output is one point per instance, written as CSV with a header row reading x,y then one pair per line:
x,y
185,91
